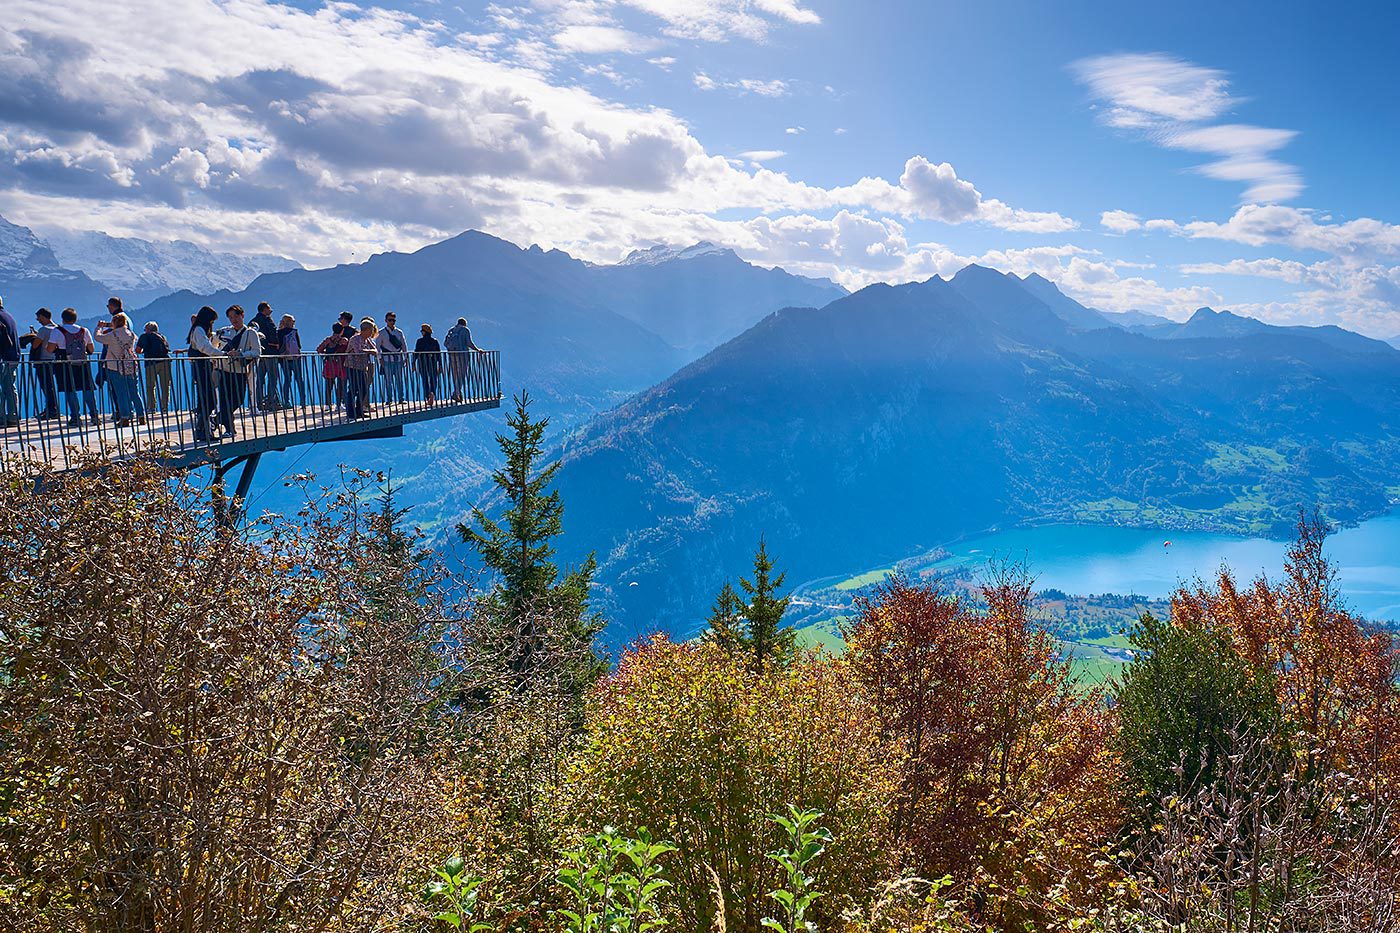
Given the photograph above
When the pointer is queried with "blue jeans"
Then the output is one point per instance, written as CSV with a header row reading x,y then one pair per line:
x,y
291,373
267,383
126,394
395,381
9,397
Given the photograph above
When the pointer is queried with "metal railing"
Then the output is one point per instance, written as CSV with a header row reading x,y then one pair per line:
x,y
186,405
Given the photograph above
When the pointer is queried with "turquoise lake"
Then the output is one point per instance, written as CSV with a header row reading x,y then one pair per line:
x,y
1086,559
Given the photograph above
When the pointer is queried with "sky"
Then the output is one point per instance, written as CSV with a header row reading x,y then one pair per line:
x,y
1153,157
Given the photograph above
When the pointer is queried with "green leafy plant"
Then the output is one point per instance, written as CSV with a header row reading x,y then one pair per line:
x,y
615,883
805,842
456,892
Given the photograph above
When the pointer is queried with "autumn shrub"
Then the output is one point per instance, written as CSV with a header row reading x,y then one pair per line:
x,y
1281,712
209,730
1010,781
696,745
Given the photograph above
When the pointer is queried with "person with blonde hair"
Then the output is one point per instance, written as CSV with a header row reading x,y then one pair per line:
x,y
120,366
360,359
289,339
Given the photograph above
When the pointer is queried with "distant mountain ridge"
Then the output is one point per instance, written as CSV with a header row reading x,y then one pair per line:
x,y
143,270
82,270
32,277
580,337
655,255
900,417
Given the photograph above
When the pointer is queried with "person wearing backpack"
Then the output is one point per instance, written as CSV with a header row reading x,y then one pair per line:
x,y
71,343
332,351
289,339
9,368
155,350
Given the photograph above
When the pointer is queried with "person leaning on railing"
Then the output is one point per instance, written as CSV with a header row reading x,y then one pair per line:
x,y
427,360
121,365
360,361
459,343
238,359
71,344
202,350
155,349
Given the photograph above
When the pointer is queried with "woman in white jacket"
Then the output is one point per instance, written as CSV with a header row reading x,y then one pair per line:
x,y
121,368
238,359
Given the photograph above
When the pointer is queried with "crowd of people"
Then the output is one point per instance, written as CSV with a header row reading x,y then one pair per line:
x,y
258,362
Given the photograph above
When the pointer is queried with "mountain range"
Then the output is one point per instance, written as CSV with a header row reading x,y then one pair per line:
x,y
62,269
580,337
143,270
901,417
700,402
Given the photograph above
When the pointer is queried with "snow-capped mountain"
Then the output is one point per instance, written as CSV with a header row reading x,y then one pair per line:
x,y
32,277
142,270
656,255
21,252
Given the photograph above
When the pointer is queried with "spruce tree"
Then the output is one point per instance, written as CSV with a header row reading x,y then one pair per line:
x,y
536,608
726,622
751,625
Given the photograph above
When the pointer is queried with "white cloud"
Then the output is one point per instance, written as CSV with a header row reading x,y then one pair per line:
x,y
774,87
190,166
664,62
1287,270
1173,103
1146,90
1362,239
364,129
602,40
1120,221
795,130
763,155
719,20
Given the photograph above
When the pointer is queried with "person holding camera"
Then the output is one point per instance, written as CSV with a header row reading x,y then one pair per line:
x,y
120,366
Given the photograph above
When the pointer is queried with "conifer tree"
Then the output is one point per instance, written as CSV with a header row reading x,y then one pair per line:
x,y
531,595
727,620
751,625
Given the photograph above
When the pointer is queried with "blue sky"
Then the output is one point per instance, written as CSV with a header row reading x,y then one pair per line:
x,y
1147,156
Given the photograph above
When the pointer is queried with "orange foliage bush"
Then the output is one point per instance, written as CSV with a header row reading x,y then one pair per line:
x,y
1335,675
1009,781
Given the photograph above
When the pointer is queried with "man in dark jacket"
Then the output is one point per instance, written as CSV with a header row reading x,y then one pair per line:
x,y
267,364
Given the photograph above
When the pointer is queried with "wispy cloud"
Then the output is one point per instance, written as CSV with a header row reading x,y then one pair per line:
x,y
774,87
1176,104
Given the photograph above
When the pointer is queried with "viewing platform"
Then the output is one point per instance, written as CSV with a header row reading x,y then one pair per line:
x,y
309,407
